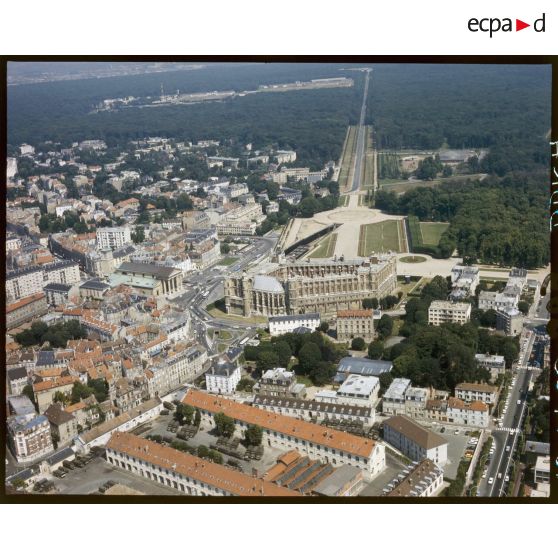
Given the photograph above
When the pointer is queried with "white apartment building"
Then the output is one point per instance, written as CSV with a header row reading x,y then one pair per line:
x,y
414,441
510,321
278,325
285,156
359,390
476,392
28,281
467,413
445,311
317,442
222,378
29,437
495,363
489,300
231,228
393,400
542,469
113,237
13,244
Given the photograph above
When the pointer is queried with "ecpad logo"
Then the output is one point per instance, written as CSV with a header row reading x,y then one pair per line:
x,y
493,25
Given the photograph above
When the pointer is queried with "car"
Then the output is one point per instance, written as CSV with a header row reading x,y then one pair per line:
x,y
499,475
491,480
519,401
484,474
507,479
508,448
443,429
68,464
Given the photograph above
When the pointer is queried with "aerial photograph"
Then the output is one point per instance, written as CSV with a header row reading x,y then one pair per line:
x,y
277,280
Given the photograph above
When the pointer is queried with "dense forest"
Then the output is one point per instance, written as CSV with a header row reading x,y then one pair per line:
x,y
461,106
311,122
497,220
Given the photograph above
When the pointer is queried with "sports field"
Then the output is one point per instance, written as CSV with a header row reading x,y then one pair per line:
x,y
432,232
381,237
325,248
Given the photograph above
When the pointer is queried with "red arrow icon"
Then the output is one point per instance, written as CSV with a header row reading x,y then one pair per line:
x,y
519,25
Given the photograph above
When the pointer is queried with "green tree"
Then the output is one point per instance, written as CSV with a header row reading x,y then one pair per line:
x,y
267,360
309,357
284,353
375,350
224,425
197,418
523,307
370,303
324,327
138,236
253,435
385,326
358,344
60,397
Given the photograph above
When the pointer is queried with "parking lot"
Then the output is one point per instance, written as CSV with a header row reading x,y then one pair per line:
x,y
376,486
457,443
88,480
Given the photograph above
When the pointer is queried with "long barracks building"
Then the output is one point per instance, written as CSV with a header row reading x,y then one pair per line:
x,y
183,472
317,442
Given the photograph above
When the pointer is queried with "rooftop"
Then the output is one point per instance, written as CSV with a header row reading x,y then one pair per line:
x,y
397,388
477,387
293,317
355,313
158,271
268,284
364,366
224,478
417,479
413,431
309,432
358,386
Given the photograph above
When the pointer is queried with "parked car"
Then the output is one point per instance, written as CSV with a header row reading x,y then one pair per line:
x,y
491,480
68,464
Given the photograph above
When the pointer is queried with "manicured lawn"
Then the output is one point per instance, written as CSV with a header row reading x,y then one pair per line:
x,y
412,259
432,232
325,248
379,237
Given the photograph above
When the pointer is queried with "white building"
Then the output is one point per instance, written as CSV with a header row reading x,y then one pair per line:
x,y
476,392
28,281
317,442
445,311
242,228
510,321
278,325
489,300
542,469
393,400
29,437
285,156
464,281
223,377
468,413
359,390
494,363
113,237
414,441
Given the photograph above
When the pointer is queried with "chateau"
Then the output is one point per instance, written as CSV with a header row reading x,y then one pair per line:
x,y
321,285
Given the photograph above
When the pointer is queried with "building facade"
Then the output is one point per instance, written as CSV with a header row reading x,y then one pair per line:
x,y
476,392
355,323
414,441
278,325
25,310
323,286
29,437
445,311
222,378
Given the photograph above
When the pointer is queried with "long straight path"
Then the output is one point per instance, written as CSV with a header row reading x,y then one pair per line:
x,y
359,151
